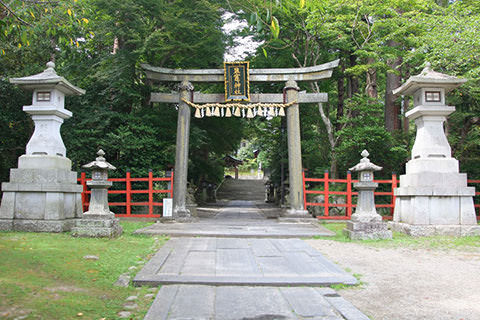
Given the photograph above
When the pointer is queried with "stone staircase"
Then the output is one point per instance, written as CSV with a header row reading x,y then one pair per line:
x,y
242,189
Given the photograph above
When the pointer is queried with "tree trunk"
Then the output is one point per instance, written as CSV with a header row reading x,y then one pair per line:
x,y
341,94
352,80
406,105
393,81
371,88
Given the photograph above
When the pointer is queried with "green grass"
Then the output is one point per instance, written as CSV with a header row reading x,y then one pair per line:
x,y
45,275
402,240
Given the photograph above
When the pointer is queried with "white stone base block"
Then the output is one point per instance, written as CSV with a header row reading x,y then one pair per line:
x,y
41,200
435,230
435,210
367,230
97,228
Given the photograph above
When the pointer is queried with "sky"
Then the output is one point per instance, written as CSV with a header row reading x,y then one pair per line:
x,y
243,46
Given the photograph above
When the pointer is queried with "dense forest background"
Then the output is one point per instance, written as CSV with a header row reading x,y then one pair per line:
x,y
99,45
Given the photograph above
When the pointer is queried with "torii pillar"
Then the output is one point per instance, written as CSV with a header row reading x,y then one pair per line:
x,y
180,210
294,152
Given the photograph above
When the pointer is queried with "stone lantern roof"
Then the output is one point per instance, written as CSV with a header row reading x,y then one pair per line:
x,y
365,164
48,79
429,78
100,162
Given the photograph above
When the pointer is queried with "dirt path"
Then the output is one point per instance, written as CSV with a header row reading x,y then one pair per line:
x,y
405,283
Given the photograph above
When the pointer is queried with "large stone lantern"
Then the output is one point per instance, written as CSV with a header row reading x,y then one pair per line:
x,y
366,223
98,221
433,197
43,194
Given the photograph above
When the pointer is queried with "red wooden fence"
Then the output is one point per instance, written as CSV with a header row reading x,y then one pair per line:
x,y
129,192
477,196
349,205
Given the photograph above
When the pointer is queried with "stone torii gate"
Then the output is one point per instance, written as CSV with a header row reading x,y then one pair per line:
x,y
291,94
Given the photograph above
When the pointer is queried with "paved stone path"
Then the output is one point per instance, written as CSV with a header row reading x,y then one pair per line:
x,y
236,264
239,219
234,261
248,303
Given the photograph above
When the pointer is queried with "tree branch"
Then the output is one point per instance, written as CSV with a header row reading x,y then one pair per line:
x,y
14,14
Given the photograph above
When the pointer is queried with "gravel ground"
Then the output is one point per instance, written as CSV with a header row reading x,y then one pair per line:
x,y
409,283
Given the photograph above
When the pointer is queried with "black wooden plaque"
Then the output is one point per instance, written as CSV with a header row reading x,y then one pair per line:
x,y
237,87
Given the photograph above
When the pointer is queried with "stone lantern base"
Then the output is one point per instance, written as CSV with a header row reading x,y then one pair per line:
x,y
42,195
367,229
97,226
434,199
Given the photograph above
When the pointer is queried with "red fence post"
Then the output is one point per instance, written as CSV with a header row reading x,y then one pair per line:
x,y
349,194
150,192
394,186
128,194
171,183
83,182
325,192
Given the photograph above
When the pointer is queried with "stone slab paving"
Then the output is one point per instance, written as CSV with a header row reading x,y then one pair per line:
x,y
239,261
239,219
260,303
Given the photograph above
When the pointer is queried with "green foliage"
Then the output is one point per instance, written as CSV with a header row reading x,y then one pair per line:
x,y
99,46
365,130
15,126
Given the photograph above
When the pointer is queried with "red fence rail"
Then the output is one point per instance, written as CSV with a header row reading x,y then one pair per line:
x,y
129,193
349,194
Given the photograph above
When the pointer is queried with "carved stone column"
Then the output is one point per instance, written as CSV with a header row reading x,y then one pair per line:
x,y
181,156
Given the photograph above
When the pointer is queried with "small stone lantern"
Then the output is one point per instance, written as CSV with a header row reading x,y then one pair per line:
x,y
366,223
98,221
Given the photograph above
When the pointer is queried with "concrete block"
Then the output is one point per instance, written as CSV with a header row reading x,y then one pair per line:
x,y
470,231
97,228
43,225
235,303
7,206
30,205
300,300
200,263
467,211
193,302
44,162
6,224
448,230
446,165
54,206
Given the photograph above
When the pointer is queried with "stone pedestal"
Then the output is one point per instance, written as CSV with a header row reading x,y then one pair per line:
x,y
372,229
42,194
433,197
366,223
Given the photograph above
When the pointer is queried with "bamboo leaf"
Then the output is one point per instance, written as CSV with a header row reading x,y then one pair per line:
x,y
265,52
302,4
